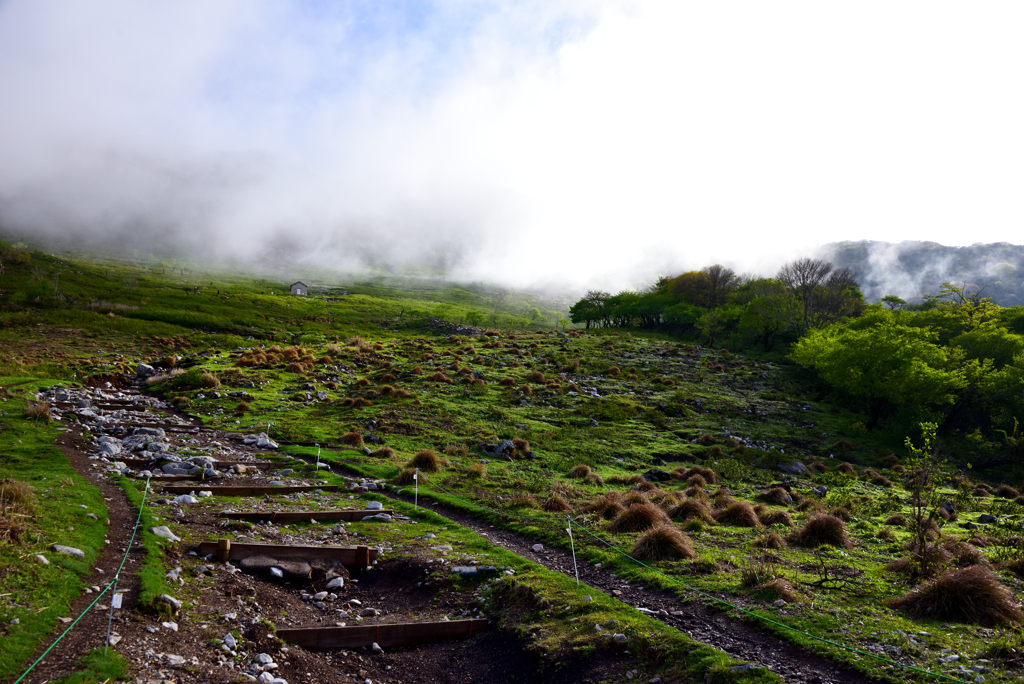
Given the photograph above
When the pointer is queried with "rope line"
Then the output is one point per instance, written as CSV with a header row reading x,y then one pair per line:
x,y
105,589
689,587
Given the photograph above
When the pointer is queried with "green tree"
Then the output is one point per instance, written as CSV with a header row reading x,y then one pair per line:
x,y
884,363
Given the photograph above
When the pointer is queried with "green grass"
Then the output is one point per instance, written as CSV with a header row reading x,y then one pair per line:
x,y
97,666
33,593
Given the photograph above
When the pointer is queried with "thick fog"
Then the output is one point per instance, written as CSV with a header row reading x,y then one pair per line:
x,y
521,142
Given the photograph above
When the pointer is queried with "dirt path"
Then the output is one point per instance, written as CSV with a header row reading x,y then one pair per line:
x,y
90,631
699,621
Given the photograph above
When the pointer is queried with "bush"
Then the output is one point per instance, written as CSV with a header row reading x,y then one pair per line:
x,y
426,460
821,530
738,514
639,517
607,506
193,378
17,502
663,542
970,595
595,479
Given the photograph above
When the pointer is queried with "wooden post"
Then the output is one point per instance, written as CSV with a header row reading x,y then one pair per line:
x,y
223,550
363,553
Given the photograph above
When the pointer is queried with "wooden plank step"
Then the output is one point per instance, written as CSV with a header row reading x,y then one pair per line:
x,y
299,516
250,490
226,550
394,635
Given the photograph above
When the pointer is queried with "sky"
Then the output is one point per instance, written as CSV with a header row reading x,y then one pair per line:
x,y
522,142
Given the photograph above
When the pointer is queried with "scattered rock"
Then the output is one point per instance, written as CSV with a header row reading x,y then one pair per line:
x,y
374,506
377,650
68,550
173,626
42,559
619,638
379,517
170,600
656,475
986,519
165,532
794,468
336,583
537,548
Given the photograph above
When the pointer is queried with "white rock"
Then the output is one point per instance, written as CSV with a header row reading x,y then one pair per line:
x,y
336,583
265,678
174,660
165,532
374,506
173,626
619,638
277,572
170,600
537,548
68,550
184,499
375,647
230,641
42,559
320,596
264,659
204,493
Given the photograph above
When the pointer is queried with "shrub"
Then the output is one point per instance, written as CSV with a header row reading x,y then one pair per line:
x,y
885,534
507,382
639,517
580,472
970,595
193,378
634,497
478,470
352,439
691,509
723,498
556,503
841,513
738,514
822,530
426,460
387,377
383,452
881,480
38,410
663,542
696,480
810,505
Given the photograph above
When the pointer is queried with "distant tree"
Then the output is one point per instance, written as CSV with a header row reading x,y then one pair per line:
x,y
660,284
965,303
563,323
474,317
894,303
722,282
694,287
535,313
825,295
770,311
591,310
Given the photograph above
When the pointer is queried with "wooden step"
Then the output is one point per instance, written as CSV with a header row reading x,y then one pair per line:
x,y
250,490
301,516
226,550
393,635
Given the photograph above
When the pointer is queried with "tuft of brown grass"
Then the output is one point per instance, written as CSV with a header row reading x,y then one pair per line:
x,y
696,480
691,509
352,439
521,445
383,452
242,408
556,503
1006,491
770,540
775,518
614,371
536,377
295,367
707,474
663,542
477,470
639,517
439,377
607,506
17,503
776,589
634,497
523,500
972,595
737,514
897,519
846,468
38,410
625,479
822,530
580,472
722,498
885,534
405,477
595,479
777,496
706,439
426,460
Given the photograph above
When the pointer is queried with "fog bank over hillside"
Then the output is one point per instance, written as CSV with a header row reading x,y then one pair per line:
x,y
594,142
912,269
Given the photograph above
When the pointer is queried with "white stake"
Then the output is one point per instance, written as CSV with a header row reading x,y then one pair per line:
x,y
416,484
318,458
573,545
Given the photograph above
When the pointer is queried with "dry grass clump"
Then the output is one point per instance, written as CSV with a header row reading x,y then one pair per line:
x,y
439,377
881,480
614,371
737,514
644,486
634,497
817,467
521,445
770,540
821,530
639,517
775,518
841,513
594,479
696,480
708,474
383,452
810,505
885,534
17,502
536,377
477,470
776,589
1006,491
405,477
242,408
556,503
663,542
723,498
625,479
846,468
352,439
426,460
523,500
965,555
706,439
691,509
897,519
580,472
507,382
972,595
607,506
38,410
777,496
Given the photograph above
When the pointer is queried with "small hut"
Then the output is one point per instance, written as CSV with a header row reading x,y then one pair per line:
x,y
300,288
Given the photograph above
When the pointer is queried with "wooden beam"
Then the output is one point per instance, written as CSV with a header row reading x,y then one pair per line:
x,y
227,490
299,516
139,462
394,635
355,556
